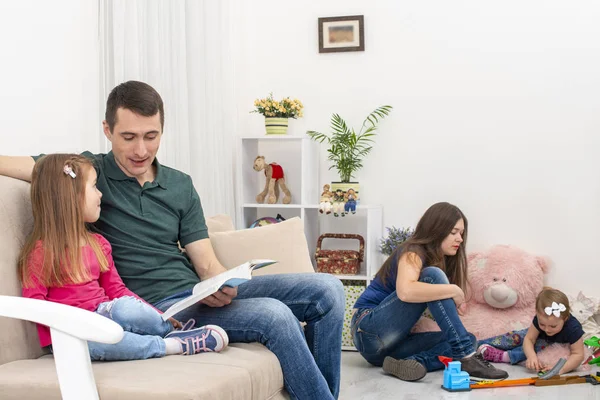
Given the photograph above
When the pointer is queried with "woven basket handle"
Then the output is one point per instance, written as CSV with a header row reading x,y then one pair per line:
x,y
360,239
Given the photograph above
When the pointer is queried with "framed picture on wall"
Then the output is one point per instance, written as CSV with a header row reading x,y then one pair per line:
x,y
338,34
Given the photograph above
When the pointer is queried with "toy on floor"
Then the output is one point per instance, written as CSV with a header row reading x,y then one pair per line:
x,y
554,370
585,309
593,342
275,180
455,380
535,381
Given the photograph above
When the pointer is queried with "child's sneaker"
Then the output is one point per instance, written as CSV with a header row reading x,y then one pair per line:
x,y
190,324
208,338
490,353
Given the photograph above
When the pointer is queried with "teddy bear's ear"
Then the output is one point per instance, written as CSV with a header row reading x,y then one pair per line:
x,y
476,259
543,264
472,256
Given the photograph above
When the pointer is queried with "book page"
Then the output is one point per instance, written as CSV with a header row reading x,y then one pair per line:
x,y
232,278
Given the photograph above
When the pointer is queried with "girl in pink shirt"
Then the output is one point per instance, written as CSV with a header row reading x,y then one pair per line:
x,y
62,261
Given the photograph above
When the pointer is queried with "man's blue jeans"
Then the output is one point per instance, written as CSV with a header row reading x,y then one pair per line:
x,y
144,331
268,309
385,330
512,343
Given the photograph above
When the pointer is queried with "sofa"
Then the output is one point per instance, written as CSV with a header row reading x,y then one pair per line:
x,y
241,371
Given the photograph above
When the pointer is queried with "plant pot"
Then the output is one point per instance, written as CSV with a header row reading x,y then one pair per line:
x,y
276,126
349,196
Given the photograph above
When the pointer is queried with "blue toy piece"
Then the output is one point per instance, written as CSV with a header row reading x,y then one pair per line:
x,y
456,380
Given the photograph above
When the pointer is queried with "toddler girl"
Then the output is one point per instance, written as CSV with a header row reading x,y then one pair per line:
x,y
553,323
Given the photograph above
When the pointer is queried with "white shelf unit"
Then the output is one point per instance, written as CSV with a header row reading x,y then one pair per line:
x,y
299,157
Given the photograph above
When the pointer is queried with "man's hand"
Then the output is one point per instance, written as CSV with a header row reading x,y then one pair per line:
x,y
221,297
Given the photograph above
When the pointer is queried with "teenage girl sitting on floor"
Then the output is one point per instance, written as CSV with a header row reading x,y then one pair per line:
x,y
427,271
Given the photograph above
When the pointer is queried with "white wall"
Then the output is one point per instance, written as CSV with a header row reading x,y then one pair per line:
x,y
48,76
496,109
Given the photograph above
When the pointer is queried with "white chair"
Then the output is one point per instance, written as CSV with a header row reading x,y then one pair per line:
x,y
70,328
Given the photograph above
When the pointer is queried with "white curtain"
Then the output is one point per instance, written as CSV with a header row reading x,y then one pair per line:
x,y
183,49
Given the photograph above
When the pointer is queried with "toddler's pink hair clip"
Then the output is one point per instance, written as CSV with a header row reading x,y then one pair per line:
x,y
68,171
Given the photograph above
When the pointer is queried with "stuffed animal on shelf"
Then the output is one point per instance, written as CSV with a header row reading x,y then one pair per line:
x,y
338,203
350,199
325,200
275,180
504,283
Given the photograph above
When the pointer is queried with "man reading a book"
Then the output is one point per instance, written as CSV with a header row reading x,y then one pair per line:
x,y
148,209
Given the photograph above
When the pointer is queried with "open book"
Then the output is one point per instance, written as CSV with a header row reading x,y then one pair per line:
x,y
231,278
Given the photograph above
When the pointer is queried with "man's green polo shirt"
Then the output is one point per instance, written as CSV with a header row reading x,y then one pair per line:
x,y
145,224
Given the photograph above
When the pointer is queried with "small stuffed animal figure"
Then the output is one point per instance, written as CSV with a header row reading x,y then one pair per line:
x,y
275,180
350,197
338,203
325,201
585,310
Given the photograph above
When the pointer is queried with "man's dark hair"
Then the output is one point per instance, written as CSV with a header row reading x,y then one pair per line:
x,y
138,97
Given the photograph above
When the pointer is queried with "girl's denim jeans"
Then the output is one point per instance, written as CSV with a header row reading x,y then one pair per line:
x,y
385,330
144,331
512,343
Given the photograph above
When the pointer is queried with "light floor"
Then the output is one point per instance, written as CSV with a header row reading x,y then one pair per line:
x,y
361,381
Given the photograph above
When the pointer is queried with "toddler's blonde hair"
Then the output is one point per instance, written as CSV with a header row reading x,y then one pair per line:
x,y
549,295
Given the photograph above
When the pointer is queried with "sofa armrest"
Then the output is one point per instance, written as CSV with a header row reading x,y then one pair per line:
x,y
70,328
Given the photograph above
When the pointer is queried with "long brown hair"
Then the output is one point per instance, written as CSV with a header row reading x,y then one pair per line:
x,y
433,227
57,202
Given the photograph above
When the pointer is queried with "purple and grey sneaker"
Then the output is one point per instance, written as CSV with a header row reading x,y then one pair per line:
x,y
207,338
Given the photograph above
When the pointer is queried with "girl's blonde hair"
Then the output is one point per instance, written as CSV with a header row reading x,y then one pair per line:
x,y
548,296
57,201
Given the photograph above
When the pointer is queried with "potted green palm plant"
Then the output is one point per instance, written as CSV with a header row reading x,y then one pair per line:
x,y
347,150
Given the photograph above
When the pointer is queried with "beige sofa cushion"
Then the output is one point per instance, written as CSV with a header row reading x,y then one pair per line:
x,y
284,242
219,223
241,371
18,339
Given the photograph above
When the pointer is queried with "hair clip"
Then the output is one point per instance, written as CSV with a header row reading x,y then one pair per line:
x,y
68,171
555,309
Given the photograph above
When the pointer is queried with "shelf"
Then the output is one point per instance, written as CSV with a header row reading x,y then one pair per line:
x,y
299,157
309,206
258,205
275,137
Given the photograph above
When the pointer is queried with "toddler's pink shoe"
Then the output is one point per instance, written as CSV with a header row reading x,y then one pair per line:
x,y
490,353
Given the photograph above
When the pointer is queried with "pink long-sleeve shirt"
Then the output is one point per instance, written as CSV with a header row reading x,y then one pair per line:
x,y
102,286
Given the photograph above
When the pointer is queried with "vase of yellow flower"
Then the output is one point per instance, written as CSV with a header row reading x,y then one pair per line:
x,y
277,113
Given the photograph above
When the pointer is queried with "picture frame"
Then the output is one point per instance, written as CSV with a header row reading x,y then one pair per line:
x,y
339,34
